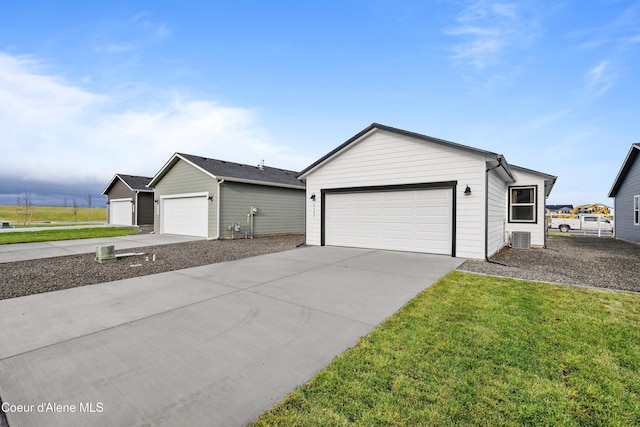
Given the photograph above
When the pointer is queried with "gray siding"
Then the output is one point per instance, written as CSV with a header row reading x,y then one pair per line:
x,y
280,210
120,191
145,208
625,229
184,178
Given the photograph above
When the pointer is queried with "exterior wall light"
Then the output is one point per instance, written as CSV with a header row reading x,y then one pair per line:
x,y
467,191
313,197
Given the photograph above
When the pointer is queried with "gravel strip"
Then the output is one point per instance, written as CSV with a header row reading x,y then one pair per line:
x,y
51,274
591,261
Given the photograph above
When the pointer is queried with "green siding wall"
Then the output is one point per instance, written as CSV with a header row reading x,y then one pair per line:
x,y
183,178
280,210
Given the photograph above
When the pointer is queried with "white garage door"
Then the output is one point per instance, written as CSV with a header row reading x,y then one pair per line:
x,y
413,220
120,212
185,215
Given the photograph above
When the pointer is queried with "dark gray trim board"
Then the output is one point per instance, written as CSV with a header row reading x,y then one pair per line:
x,y
402,187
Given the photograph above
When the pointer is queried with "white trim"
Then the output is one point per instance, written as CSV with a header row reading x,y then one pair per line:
x,y
125,183
171,163
185,195
121,200
218,210
338,153
135,210
533,205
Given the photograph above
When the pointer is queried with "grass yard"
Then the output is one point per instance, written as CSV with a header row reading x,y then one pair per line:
x,y
483,351
53,213
76,233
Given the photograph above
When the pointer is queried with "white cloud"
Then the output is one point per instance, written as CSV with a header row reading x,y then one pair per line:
x,y
53,130
547,119
117,48
600,78
488,28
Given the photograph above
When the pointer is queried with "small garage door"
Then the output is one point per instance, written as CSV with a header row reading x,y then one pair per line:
x,y
120,212
185,215
411,220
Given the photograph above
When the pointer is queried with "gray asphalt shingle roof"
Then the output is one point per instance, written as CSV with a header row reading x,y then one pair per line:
x,y
238,171
136,182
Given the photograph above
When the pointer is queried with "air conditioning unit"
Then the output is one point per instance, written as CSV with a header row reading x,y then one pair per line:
x,y
521,240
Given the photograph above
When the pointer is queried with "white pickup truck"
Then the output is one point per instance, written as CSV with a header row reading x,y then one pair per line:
x,y
584,222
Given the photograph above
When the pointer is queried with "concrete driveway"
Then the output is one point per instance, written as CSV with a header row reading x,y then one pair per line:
x,y
25,251
212,345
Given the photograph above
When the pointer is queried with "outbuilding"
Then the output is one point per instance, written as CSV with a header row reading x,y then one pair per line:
x,y
129,200
200,196
387,188
626,194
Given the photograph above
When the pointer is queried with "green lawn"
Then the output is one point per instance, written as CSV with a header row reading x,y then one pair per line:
x,y
482,351
53,213
77,233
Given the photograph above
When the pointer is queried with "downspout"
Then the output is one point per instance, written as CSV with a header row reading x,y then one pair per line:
x,y
486,213
218,210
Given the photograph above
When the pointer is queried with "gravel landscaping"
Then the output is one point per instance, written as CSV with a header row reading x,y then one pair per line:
x,y
572,260
43,275
590,261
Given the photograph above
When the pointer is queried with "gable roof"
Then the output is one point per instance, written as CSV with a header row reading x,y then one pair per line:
x,y
236,172
133,182
501,161
624,170
549,180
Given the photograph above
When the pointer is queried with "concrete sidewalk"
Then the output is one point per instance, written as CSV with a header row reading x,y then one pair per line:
x,y
25,251
211,345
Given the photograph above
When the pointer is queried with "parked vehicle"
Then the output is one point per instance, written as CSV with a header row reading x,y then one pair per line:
x,y
594,209
582,222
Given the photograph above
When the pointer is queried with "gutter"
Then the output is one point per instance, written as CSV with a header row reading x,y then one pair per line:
x,y
486,212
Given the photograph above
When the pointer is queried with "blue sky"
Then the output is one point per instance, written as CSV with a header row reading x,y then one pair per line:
x,y
88,89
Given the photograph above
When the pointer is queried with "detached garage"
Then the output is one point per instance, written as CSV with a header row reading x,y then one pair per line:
x,y
386,188
210,198
129,200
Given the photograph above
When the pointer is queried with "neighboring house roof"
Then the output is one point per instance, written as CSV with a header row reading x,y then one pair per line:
x,y
133,182
236,172
499,159
624,170
558,207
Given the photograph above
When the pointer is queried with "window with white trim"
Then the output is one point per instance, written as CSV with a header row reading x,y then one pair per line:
x,y
636,210
523,204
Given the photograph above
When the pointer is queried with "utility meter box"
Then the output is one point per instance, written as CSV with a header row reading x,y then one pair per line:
x,y
105,254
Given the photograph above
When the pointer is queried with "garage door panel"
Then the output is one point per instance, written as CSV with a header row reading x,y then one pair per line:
x,y
412,220
185,215
397,196
120,212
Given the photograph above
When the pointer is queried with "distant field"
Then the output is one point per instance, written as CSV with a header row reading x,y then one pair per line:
x,y
54,214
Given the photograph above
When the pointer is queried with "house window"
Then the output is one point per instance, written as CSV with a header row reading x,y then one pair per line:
x,y
636,210
522,204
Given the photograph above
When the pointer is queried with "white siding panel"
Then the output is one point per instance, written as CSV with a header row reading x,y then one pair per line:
x,y
497,222
386,158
